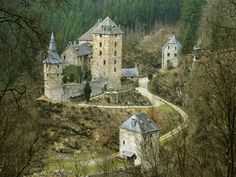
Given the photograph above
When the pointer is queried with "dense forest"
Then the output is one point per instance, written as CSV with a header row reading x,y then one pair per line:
x,y
133,15
207,150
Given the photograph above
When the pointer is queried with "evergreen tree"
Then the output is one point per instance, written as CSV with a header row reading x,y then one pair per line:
x,y
87,91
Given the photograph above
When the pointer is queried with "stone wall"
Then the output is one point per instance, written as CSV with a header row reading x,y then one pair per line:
x,y
144,146
107,59
173,51
131,141
52,81
77,89
69,57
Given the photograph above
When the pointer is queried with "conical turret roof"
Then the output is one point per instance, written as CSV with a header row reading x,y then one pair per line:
x,y
53,56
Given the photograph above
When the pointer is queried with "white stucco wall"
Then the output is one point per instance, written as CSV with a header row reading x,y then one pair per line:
x,y
170,52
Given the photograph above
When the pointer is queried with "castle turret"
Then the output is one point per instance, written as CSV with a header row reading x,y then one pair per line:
x,y
53,73
107,53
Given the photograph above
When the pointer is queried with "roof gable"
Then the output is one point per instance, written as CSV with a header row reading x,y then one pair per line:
x,y
140,123
107,26
172,40
88,36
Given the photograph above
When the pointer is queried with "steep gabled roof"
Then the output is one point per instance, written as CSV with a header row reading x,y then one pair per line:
x,y
140,123
172,40
53,56
88,36
107,26
129,72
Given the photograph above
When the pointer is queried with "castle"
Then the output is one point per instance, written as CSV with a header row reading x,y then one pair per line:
x,y
99,51
170,53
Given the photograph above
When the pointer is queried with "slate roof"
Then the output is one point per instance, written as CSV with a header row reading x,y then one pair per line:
x,y
140,123
128,154
107,26
173,40
129,72
53,56
83,49
88,36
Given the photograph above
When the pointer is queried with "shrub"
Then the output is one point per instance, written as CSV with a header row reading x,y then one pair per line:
x,y
71,77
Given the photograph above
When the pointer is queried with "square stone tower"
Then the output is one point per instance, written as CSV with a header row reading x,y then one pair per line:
x,y
171,53
139,136
107,53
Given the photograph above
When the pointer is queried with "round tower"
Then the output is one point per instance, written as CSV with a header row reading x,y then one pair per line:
x,y
53,73
107,53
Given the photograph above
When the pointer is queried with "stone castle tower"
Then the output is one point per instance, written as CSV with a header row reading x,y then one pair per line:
x,y
107,53
53,73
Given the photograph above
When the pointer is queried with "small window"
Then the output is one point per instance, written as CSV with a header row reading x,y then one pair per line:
x,y
168,47
114,61
100,35
104,62
115,35
47,75
175,48
168,54
100,44
64,57
114,69
115,44
57,75
46,65
100,53
123,142
89,60
175,54
57,66
115,53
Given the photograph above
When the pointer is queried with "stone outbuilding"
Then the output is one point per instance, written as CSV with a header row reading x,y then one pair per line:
x,y
139,139
171,53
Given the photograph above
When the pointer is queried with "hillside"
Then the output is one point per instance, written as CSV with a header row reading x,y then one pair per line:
x,y
87,131
146,51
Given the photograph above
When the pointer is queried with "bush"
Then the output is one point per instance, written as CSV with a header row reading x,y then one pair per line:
x,y
71,77
64,79
150,76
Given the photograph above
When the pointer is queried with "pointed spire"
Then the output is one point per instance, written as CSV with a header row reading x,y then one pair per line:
x,y
53,56
52,45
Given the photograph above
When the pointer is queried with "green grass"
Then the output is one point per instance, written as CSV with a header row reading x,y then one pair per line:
x,y
167,109
69,165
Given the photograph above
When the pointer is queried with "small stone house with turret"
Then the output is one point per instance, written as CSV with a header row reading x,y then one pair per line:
x,y
139,138
171,53
99,52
